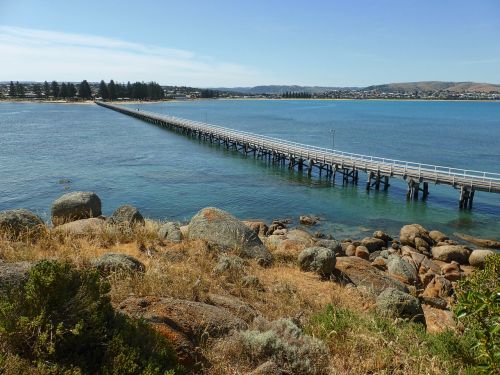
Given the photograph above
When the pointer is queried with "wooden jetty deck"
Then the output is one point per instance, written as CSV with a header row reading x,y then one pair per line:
x,y
331,162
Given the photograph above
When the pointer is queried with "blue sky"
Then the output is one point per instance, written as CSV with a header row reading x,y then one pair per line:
x,y
244,43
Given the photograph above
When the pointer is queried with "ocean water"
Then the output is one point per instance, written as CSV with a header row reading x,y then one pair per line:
x,y
49,149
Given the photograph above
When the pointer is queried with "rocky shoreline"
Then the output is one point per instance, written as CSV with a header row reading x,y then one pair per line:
x,y
411,276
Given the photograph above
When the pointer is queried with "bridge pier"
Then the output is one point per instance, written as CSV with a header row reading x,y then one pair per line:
x,y
466,197
413,189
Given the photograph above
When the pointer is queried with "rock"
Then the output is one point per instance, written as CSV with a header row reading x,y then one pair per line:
x,y
478,257
395,303
267,368
219,228
301,236
82,227
379,263
382,236
438,320
75,206
373,244
439,287
351,250
361,273
184,323
288,250
170,232
362,252
438,236
117,262
229,263
20,224
449,253
280,232
409,232
438,303
259,227
333,245
317,259
374,255
492,244
126,214
13,276
308,220
236,306
402,270
421,245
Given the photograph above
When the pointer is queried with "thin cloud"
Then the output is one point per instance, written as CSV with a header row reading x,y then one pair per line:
x,y
32,54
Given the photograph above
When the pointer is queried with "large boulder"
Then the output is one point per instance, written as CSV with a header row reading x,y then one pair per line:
x,y
478,257
82,227
362,274
409,233
20,224
395,303
448,253
170,232
184,323
236,306
75,206
317,259
126,214
401,269
117,262
333,245
301,236
373,244
221,229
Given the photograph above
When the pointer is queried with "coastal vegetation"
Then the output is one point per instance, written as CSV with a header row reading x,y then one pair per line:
x,y
129,295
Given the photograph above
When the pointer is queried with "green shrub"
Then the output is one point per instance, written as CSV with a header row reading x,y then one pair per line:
x,y
478,307
62,320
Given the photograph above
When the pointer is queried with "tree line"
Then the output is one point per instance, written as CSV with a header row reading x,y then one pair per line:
x,y
106,91
296,95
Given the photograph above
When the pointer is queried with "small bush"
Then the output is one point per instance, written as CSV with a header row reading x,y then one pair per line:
x,y
479,308
62,320
286,344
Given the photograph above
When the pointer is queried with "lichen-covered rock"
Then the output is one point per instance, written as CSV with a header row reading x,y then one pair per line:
x,y
82,227
229,263
373,244
170,232
20,224
402,270
362,274
221,229
75,206
333,245
117,262
450,253
409,232
317,259
478,257
126,214
236,306
301,236
395,303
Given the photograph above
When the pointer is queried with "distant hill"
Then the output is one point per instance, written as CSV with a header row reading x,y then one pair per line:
x,y
276,89
435,86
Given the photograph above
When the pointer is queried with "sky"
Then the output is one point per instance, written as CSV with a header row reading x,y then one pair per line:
x,y
229,43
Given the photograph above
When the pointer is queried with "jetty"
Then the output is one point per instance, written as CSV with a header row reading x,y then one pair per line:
x,y
305,158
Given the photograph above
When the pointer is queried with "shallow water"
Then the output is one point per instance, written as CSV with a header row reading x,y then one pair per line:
x,y
124,160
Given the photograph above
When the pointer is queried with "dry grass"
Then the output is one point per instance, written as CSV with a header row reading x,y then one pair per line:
x,y
359,343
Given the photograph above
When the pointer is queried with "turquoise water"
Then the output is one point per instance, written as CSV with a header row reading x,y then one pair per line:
x,y
49,149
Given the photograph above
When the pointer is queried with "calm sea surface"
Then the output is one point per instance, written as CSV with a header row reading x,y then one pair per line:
x,y
49,149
